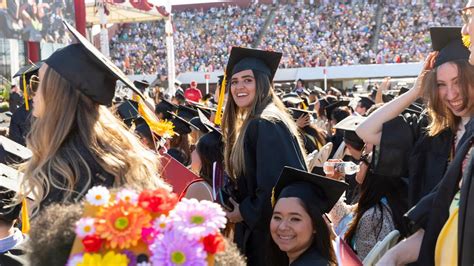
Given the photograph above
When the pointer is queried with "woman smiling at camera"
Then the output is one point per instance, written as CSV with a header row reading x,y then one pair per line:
x,y
260,139
297,226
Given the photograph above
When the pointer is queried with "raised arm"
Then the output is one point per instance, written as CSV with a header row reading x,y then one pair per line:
x,y
371,129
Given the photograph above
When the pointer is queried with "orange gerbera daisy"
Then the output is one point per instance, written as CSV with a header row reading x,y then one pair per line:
x,y
120,224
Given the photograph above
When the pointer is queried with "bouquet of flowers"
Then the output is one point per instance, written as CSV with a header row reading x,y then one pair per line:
x,y
147,228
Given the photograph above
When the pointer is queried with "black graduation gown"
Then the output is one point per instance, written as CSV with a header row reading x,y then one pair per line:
x,y
16,256
407,151
311,257
98,174
268,147
432,212
20,124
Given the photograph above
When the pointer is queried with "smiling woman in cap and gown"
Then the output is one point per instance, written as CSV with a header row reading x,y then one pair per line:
x,y
77,143
260,139
438,159
426,142
297,226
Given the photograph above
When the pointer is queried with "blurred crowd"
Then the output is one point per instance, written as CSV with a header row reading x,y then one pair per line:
x,y
308,35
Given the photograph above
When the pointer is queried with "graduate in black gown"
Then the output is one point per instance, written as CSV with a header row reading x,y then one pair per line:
x,y
78,143
260,139
298,227
431,213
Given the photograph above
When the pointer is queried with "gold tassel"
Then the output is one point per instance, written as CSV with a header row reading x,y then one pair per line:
x,y
25,218
220,103
466,40
25,93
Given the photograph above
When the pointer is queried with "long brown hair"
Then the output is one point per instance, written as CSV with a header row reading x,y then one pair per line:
x,y
57,163
440,115
235,121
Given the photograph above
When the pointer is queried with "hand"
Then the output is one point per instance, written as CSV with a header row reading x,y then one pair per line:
x,y
427,66
336,175
303,121
385,84
234,216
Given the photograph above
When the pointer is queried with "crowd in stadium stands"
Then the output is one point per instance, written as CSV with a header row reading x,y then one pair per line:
x,y
404,33
312,36
308,35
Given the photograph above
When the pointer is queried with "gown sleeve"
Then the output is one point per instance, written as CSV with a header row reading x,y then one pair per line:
x,y
398,138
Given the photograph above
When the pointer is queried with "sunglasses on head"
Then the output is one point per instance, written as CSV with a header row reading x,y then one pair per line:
x,y
466,14
34,83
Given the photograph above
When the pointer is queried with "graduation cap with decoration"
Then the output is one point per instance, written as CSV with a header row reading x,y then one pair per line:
x,y
312,189
349,125
448,42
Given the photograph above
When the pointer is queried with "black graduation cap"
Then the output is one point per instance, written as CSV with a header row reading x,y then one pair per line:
x,y
207,123
128,111
12,152
143,130
312,189
141,84
181,126
165,106
297,113
187,112
88,70
241,59
331,107
367,101
29,70
198,123
448,41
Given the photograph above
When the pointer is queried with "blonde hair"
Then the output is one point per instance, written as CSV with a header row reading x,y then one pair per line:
x,y
440,116
266,105
74,124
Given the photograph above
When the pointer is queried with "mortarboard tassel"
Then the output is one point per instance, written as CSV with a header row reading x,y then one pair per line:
x,y
220,103
25,92
25,219
466,40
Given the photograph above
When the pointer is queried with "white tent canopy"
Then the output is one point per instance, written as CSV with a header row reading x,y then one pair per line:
x,y
125,12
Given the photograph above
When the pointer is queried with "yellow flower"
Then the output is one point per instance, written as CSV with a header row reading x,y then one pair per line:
x,y
109,259
162,128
